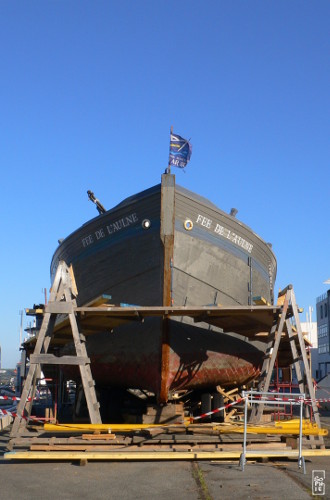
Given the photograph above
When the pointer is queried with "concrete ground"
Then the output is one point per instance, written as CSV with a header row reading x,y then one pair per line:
x,y
202,480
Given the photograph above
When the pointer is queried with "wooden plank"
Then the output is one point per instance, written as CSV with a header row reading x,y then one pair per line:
x,y
73,285
71,447
225,394
85,370
160,455
268,364
215,442
99,427
102,437
101,300
230,414
260,301
160,446
50,359
59,307
232,391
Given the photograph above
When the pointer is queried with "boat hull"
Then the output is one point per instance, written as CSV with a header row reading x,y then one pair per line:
x,y
189,253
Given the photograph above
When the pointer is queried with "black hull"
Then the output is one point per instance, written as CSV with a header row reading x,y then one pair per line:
x,y
192,253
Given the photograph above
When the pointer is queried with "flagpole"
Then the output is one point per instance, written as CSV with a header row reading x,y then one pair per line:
x,y
168,170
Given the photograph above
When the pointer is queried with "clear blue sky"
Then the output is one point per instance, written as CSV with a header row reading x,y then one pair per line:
x,y
90,89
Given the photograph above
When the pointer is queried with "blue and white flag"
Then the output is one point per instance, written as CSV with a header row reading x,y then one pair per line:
x,y
180,151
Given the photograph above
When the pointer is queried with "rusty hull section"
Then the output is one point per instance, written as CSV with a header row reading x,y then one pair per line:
x,y
197,358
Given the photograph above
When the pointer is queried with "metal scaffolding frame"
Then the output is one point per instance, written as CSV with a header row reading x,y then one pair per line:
x,y
271,398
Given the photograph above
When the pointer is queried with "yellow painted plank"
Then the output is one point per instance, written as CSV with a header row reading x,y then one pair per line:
x,y
292,428
159,455
260,301
101,427
277,431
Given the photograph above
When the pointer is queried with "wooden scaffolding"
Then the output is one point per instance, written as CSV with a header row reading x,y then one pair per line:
x,y
284,330
62,300
270,324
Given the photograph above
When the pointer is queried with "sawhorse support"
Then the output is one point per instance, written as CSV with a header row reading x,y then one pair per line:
x,y
290,309
62,300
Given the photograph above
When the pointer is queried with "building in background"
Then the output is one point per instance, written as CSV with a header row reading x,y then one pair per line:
x,y
323,334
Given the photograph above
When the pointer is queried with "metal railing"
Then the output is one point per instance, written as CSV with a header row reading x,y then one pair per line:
x,y
273,398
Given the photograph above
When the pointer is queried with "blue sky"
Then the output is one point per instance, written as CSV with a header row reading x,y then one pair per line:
x,y
90,89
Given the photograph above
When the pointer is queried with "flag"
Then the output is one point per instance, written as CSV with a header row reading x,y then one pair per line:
x,y
180,151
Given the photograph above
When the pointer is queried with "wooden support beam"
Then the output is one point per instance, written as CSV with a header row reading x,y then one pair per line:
x,y
50,359
59,307
269,362
159,455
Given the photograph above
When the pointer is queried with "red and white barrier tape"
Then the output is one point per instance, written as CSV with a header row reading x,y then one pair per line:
x,y
14,415
239,400
15,398
284,399
307,401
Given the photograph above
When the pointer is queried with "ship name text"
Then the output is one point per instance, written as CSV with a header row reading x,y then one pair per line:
x,y
223,231
109,229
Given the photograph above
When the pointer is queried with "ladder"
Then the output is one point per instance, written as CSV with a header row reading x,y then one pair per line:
x,y
62,300
282,325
